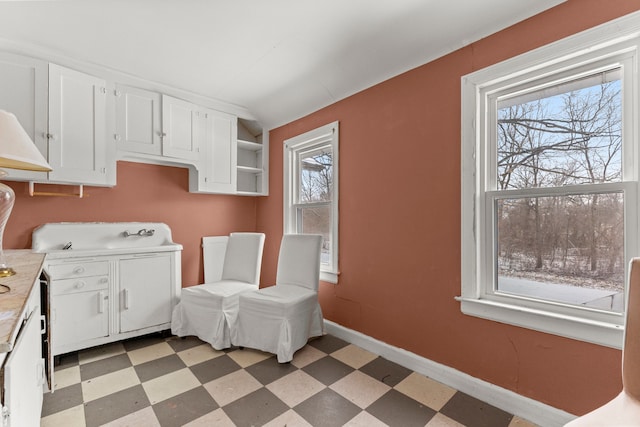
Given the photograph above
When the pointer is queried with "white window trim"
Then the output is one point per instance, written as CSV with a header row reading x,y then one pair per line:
x,y
621,36
328,133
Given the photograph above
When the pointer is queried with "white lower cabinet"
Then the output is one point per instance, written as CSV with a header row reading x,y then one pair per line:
x,y
145,291
24,376
103,299
22,373
79,310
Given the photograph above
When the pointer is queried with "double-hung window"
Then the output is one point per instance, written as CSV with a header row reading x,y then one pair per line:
x,y
311,191
550,186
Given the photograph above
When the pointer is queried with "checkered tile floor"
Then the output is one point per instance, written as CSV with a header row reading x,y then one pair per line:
x,y
157,381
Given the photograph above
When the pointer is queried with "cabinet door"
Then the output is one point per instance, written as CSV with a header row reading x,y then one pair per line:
x,y
145,291
218,161
23,376
180,128
138,120
77,127
78,317
23,92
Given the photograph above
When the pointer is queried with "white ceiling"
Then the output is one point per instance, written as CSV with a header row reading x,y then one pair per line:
x,y
281,59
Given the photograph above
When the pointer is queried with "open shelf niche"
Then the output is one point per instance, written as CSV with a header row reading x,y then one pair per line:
x,y
252,161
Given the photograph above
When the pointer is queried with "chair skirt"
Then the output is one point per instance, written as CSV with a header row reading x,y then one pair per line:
x,y
208,310
279,319
622,411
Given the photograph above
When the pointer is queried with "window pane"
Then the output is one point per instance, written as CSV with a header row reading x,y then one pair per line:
x,y
565,248
317,220
566,134
316,175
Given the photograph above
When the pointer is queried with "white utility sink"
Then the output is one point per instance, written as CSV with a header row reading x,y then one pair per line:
x,y
72,239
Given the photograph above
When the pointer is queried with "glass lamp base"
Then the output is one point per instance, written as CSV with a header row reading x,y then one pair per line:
x,y
7,198
7,271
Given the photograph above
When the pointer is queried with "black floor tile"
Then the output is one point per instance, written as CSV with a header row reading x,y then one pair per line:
x,y
255,409
100,367
62,399
270,370
116,405
397,409
183,408
327,409
386,371
214,368
181,344
158,367
472,412
328,370
328,343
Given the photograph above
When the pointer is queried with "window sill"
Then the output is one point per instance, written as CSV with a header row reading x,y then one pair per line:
x,y
328,276
602,333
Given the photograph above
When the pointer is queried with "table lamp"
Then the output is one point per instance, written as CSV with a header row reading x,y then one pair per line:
x,y
17,151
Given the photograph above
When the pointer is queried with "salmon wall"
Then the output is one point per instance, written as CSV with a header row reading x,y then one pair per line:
x,y
143,193
400,224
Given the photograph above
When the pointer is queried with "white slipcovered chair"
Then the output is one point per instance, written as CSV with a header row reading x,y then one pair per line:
x,y
624,409
208,310
280,319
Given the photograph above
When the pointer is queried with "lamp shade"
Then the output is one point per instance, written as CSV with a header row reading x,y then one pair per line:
x,y
17,150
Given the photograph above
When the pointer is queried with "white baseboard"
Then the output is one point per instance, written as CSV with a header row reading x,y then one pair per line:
x,y
523,407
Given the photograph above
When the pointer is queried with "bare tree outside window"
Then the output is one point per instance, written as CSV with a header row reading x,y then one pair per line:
x,y
564,136
316,185
316,176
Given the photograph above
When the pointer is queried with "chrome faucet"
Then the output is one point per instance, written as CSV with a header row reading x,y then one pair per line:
x,y
142,232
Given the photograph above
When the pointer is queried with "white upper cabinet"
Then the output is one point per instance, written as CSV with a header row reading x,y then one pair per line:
x,y
216,166
23,92
81,131
179,128
138,120
77,127
64,113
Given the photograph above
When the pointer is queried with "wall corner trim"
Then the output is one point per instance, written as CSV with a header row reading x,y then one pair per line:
x,y
524,407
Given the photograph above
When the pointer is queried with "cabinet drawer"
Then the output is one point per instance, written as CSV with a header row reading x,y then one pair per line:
x,y
80,269
80,284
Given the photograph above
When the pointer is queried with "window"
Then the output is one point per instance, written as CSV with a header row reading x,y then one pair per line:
x,y
550,186
311,191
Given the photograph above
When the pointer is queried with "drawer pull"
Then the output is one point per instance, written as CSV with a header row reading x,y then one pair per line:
x,y
78,270
79,284
104,280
